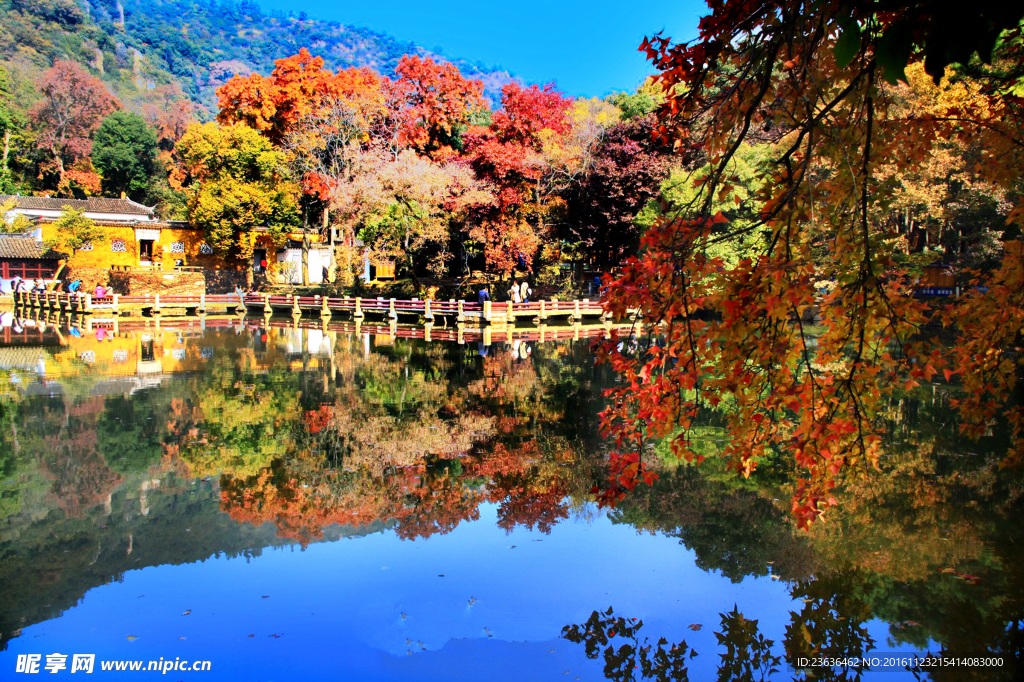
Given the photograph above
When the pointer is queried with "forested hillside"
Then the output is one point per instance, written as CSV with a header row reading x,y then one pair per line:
x,y
146,48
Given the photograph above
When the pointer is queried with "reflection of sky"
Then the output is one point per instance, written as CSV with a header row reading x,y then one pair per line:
x,y
338,607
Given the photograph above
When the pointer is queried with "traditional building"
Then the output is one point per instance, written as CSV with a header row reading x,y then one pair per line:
x,y
137,240
25,257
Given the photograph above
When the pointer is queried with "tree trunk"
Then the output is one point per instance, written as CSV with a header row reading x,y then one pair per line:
x,y
60,269
332,264
305,257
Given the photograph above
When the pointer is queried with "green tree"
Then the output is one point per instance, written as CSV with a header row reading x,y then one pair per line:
x,y
14,222
236,181
71,232
8,123
647,98
123,150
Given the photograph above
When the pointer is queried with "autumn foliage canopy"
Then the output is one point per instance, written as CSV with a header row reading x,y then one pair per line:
x,y
800,321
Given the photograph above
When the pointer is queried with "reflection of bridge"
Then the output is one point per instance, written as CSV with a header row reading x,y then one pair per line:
x,y
428,332
326,307
458,333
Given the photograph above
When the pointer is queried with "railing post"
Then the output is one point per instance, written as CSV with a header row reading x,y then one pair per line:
x,y
543,314
359,314
117,304
576,310
156,304
487,311
391,310
510,312
202,303
426,310
461,316
296,310
325,311
88,303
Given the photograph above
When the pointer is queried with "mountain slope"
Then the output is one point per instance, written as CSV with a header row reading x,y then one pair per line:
x,y
137,46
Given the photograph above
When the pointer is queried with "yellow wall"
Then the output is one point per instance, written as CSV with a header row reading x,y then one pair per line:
x,y
173,351
192,239
102,255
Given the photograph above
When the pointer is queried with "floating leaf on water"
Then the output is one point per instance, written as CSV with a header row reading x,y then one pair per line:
x,y
252,635
551,651
511,546
187,612
695,626
182,638
275,636
131,638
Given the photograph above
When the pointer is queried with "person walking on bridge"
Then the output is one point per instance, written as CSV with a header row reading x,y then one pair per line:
x,y
525,291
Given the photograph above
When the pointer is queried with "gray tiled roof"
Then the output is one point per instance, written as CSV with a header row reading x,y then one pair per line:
x,y
24,248
92,204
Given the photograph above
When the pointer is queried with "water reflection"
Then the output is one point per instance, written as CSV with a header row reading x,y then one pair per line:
x,y
168,444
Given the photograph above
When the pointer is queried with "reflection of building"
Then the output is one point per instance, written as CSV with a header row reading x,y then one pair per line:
x,y
130,360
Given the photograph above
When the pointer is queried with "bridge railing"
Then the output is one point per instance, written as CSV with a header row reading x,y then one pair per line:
x,y
282,302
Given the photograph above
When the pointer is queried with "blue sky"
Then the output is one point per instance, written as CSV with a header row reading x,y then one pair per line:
x,y
587,48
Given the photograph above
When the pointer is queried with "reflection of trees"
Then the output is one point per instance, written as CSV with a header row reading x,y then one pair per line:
x,y
731,527
63,440
419,436
748,654
235,419
935,542
128,433
931,545
831,624
628,656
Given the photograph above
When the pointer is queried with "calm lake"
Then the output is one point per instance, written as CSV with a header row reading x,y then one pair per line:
x,y
350,504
